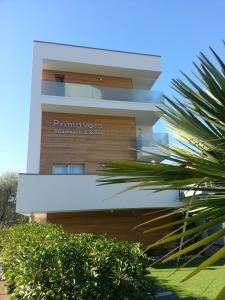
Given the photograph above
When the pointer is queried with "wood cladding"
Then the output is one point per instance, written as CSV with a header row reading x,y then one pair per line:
x,y
118,135
92,79
119,223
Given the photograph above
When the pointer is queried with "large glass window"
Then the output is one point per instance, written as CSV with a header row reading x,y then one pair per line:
x,y
68,169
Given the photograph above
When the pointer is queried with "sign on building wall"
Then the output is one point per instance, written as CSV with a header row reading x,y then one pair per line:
x,y
77,128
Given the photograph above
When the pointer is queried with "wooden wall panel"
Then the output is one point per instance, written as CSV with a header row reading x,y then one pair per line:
x,y
118,136
119,223
92,79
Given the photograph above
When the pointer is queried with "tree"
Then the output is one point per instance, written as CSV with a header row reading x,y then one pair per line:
x,y
8,188
196,118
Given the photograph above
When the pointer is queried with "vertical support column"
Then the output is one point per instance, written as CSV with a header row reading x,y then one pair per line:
x,y
34,142
40,218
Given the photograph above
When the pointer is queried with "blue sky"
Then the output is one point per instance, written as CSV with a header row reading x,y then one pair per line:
x,y
175,29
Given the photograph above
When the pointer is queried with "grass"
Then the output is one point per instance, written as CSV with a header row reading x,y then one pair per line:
x,y
204,286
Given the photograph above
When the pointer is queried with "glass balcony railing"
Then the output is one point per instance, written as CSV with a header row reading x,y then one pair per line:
x,y
149,139
83,91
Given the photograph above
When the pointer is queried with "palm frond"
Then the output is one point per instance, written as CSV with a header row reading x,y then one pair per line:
x,y
196,118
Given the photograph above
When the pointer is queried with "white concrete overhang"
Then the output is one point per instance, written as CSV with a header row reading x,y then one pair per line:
x,y
153,155
61,193
143,69
146,114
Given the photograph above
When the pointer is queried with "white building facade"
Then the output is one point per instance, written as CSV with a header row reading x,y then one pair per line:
x,y
89,106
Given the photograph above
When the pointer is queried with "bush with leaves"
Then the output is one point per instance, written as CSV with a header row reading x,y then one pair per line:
x,y
45,262
8,189
3,232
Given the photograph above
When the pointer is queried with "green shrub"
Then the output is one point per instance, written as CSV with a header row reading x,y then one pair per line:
x,y
44,262
3,231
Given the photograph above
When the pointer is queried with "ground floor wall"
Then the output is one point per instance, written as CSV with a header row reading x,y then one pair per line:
x,y
117,223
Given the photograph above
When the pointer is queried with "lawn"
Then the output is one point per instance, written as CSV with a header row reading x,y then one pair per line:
x,y
205,285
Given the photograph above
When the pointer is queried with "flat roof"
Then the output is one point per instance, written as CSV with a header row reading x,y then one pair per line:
x,y
94,48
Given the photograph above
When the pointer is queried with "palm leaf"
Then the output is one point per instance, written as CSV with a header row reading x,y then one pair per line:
x,y
221,295
196,118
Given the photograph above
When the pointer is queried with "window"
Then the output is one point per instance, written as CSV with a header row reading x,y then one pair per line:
x,y
59,85
68,169
59,78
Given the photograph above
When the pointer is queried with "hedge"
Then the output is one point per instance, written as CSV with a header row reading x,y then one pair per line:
x,y
3,232
45,262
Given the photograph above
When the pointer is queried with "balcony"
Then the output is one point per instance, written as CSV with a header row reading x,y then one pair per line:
x,y
61,193
62,97
83,91
147,141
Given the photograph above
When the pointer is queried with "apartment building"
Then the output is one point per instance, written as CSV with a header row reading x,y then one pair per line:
x,y
89,106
